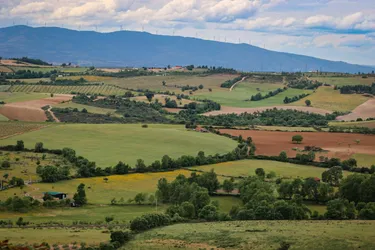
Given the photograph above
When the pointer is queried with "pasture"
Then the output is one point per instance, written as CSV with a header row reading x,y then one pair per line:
x,y
90,109
98,190
173,82
338,145
89,89
107,144
246,168
366,124
346,80
331,235
364,159
330,99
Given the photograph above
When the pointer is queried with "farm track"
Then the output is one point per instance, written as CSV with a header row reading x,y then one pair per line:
x,y
234,85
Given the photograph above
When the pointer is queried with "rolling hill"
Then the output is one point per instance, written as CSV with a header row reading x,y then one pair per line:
x,y
131,48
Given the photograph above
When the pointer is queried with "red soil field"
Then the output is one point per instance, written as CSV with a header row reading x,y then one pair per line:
x,y
31,110
339,145
231,110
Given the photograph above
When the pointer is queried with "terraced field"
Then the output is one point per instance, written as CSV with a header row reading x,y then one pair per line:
x,y
347,80
90,89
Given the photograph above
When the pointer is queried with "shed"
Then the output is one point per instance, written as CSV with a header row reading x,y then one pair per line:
x,y
57,195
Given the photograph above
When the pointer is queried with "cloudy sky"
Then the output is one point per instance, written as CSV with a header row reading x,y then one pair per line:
x,y
331,29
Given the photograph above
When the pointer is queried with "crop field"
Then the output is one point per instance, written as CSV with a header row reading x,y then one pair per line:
x,y
290,129
156,82
60,236
8,129
90,89
366,124
4,88
107,144
48,69
4,69
9,97
161,99
330,99
99,191
246,168
325,235
347,80
23,164
338,145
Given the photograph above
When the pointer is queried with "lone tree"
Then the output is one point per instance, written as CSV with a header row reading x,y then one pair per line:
x,y
149,96
39,147
164,83
297,139
308,103
228,186
80,197
333,176
260,172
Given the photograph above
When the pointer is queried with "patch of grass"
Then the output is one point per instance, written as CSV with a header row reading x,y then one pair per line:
x,y
281,128
54,236
90,109
330,99
347,80
227,202
99,191
9,97
334,235
364,160
89,214
3,118
247,167
24,164
107,144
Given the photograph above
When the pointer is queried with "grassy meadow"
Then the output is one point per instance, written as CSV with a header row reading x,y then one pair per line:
x,y
364,159
90,109
327,235
330,99
9,97
247,167
345,80
3,118
366,124
107,144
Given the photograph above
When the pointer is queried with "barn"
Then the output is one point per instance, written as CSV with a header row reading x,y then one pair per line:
x,y
58,195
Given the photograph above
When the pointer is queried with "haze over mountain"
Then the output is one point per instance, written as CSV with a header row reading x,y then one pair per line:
x,y
131,48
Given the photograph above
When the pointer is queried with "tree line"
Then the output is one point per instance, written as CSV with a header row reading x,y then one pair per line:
x,y
229,83
295,98
357,89
259,96
304,83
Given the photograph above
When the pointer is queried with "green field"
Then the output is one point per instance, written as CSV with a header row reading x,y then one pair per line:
x,y
89,108
331,235
156,82
244,91
347,80
4,88
89,89
3,118
60,236
107,144
364,160
248,167
329,99
9,97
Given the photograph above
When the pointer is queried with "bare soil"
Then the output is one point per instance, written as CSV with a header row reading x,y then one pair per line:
x,y
31,110
364,111
235,110
338,145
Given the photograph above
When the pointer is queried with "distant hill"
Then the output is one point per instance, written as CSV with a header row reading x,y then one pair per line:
x,y
131,48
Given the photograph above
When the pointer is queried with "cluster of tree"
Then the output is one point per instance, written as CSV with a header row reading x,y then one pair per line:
x,y
229,83
28,74
192,88
32,61
18,204
294,98
357,89
259,96
53,174
270,117
2,102
202,107
357,130
149,221
221,70
170,103
304,83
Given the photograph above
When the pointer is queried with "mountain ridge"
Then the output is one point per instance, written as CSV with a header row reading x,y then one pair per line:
x,y
134,48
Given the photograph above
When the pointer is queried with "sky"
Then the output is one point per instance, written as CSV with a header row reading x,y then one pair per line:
x,y
339,30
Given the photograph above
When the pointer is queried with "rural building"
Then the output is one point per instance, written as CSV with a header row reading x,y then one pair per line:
x,y
57,195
